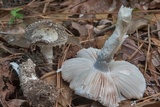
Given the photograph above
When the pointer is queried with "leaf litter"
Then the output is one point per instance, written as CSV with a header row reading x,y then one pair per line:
x,y
90,25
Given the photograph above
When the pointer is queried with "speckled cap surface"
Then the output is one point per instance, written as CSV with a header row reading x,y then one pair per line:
x,y
46,32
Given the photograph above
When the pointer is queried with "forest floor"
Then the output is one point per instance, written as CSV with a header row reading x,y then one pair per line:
x,y
90,23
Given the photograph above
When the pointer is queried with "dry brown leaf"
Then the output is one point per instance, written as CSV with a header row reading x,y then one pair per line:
x,y
65,96
15,35
15,30
72,51
81,28
18,40
99,41
74,41
150,91
104,22
5,84
51,78
137,24
145,4
152,104
155,58
156,41
15,102
153,17
152,69
128,48
93,6
125,103
158,27
101,27
154,4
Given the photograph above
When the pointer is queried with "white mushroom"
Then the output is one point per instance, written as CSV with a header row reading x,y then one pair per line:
x,y
46,34
95,75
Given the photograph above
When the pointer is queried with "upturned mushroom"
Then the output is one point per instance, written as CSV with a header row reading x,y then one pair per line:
x,y
94,73
46,34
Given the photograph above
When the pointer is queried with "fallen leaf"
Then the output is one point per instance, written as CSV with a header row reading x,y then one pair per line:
x,y
72,51
150,91
100,40
152,69
104,22
125,103
152,104
81,28
16,30
128,48
74,41
155,58
16,103
154,4
65,96
158,27
5,84
137,24
94,6
96,104
156,41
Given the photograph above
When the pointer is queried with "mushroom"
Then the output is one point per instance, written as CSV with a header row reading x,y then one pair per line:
x,y
46,34
94,73
39,93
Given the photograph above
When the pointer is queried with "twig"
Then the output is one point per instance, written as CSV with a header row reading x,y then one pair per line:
x,y
144,41
48,74
141,102
46,5
149,47
17,55
105,30
5,48
135,52
137,36
150,32
60,61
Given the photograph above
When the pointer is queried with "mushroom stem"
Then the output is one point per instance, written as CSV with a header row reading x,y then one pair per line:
x,y
48,53
112,45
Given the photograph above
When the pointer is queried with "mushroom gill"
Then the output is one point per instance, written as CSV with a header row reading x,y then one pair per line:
x,y
95,75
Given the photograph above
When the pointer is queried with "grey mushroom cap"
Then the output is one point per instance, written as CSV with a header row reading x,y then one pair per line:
x,y
46,32
120,81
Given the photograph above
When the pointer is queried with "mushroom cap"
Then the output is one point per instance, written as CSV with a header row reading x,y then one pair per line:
x,y
121,80
46,32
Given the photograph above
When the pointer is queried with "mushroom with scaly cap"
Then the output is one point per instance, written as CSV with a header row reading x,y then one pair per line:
x,y
46,34
95,75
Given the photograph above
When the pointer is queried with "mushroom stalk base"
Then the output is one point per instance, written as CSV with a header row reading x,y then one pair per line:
x,y
48,53
38,92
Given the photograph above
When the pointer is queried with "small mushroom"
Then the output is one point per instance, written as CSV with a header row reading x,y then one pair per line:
x,y
39,93
46,34
95,75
